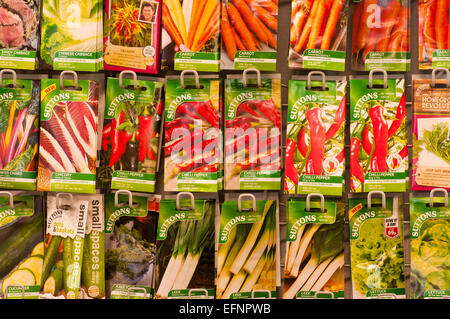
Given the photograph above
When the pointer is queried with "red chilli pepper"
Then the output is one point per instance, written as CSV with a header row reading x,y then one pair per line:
x,y
240,120
269,110
381,135
107,129
169,132
317,132
366,143
178,122
194,136
399,117
145,129
116,139
356,170
186,109
246,107
403,153
303,142
207,111
338,120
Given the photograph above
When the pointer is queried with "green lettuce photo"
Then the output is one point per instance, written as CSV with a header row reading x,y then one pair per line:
x,y
430,250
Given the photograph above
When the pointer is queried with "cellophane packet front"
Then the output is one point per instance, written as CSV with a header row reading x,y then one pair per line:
x,y
132,35
19,40
381,35
131,135
190,38
314,265
318,34
429,229
186,250
249,35
193,158
431,125
378,140
377,248
253,133
315,137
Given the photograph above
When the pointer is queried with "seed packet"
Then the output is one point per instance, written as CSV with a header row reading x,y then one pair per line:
x,y
429,229
72,35
315,154
253,132
21,245
376,246
132,35
248,253
249,35
193,155
19,37
131,134
190,35
380,37
19,131
318,35
93,268
431,124
186,248
314,265
130,244
378,140
434,47
64,244
68,135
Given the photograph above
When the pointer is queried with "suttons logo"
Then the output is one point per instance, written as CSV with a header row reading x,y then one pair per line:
x,y
231,223
298,224
363,100
415,230
53,101
174,104
359,221
162,232
231,111
127,96
6,96
299,103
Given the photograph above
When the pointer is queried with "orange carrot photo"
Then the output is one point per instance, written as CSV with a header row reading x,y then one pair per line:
x,y
318,24
227,34
254,25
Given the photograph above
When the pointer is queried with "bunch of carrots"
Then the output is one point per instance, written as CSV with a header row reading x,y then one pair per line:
x,y
192,23
434,28
246,24
390,35
314,23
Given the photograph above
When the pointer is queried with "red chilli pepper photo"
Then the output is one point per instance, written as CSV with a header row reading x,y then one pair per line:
x,y
399,117
145,131
355,166
317,132
339,119
381,135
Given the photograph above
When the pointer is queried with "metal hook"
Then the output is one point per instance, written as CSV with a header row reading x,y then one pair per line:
x,y
322,74
58,200
385,84
246,195
322,201
258,77
433,76
61,79
197,81
133,74
383,198
124,191
434,190
14,76
190,195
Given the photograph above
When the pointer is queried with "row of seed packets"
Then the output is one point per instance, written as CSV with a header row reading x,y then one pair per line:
x,y
125,245
209,146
